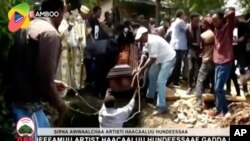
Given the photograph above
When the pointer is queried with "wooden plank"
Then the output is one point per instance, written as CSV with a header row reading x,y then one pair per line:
x,y
210,97
176,94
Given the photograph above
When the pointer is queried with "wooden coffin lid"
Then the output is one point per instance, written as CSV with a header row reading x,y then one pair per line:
x,y
120,70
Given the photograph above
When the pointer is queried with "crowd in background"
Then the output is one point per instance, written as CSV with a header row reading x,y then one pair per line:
x,y
203,51
209,48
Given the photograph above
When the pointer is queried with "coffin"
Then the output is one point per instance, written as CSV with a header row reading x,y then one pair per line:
x,y
120,76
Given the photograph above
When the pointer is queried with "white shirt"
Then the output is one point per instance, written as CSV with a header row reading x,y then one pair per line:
x,y
160,49
178,35
115,117
79,31
63,26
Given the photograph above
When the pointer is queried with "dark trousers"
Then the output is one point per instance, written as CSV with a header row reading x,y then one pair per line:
x,y
184,72
175,76
233,77
88,68
222,73
206,71
193,70
242,63
101,73
103,63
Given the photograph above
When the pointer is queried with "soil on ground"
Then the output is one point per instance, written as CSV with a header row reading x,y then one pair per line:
x,y
146,119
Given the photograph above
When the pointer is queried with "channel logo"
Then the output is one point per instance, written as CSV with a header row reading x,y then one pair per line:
x,y
19,17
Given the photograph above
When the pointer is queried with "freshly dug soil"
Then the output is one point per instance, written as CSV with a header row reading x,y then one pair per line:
x,y
240,115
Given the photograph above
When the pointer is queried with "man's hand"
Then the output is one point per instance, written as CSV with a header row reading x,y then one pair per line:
x,y
240,40
89,30
135,71
108,92
243,79
60,85
62,111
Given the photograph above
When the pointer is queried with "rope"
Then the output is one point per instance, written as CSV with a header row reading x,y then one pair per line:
x,y
84,101
136,79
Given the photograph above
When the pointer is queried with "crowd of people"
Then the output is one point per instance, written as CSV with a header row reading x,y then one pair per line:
x,y
199,49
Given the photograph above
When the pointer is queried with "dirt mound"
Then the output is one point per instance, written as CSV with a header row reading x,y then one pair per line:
x,y
185,111
240,115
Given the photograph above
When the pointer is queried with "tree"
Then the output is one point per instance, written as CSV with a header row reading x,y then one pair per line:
x,y
76,4
199,6
246,5
157,11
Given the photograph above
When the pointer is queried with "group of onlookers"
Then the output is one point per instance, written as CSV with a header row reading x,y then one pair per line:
x,y
207,49
202,52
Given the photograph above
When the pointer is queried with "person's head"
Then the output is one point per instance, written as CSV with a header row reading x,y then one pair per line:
x,y
142,35
166,22
134,16
84,12
126,26
107,15
180,14
54,5
218,19
109,101
206,23
152,21
195,19
37,6
97,11
126,23
231,9
141,17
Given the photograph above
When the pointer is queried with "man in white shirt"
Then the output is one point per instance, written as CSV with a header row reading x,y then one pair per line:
x,y
112,117
162,54
179,43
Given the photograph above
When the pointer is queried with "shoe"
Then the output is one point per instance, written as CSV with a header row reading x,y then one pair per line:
x,y
159,112
212,113
220,116
189,91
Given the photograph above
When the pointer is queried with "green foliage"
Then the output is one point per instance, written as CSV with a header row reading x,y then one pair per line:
x,y
90,3
6,39
199,6
75,4
25,129
246,5
7,127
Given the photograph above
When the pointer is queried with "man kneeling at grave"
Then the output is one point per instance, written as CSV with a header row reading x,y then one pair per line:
x,y
112,117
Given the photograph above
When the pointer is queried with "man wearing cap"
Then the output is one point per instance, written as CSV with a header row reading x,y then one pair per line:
x,y
78,43
84,12
163,55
